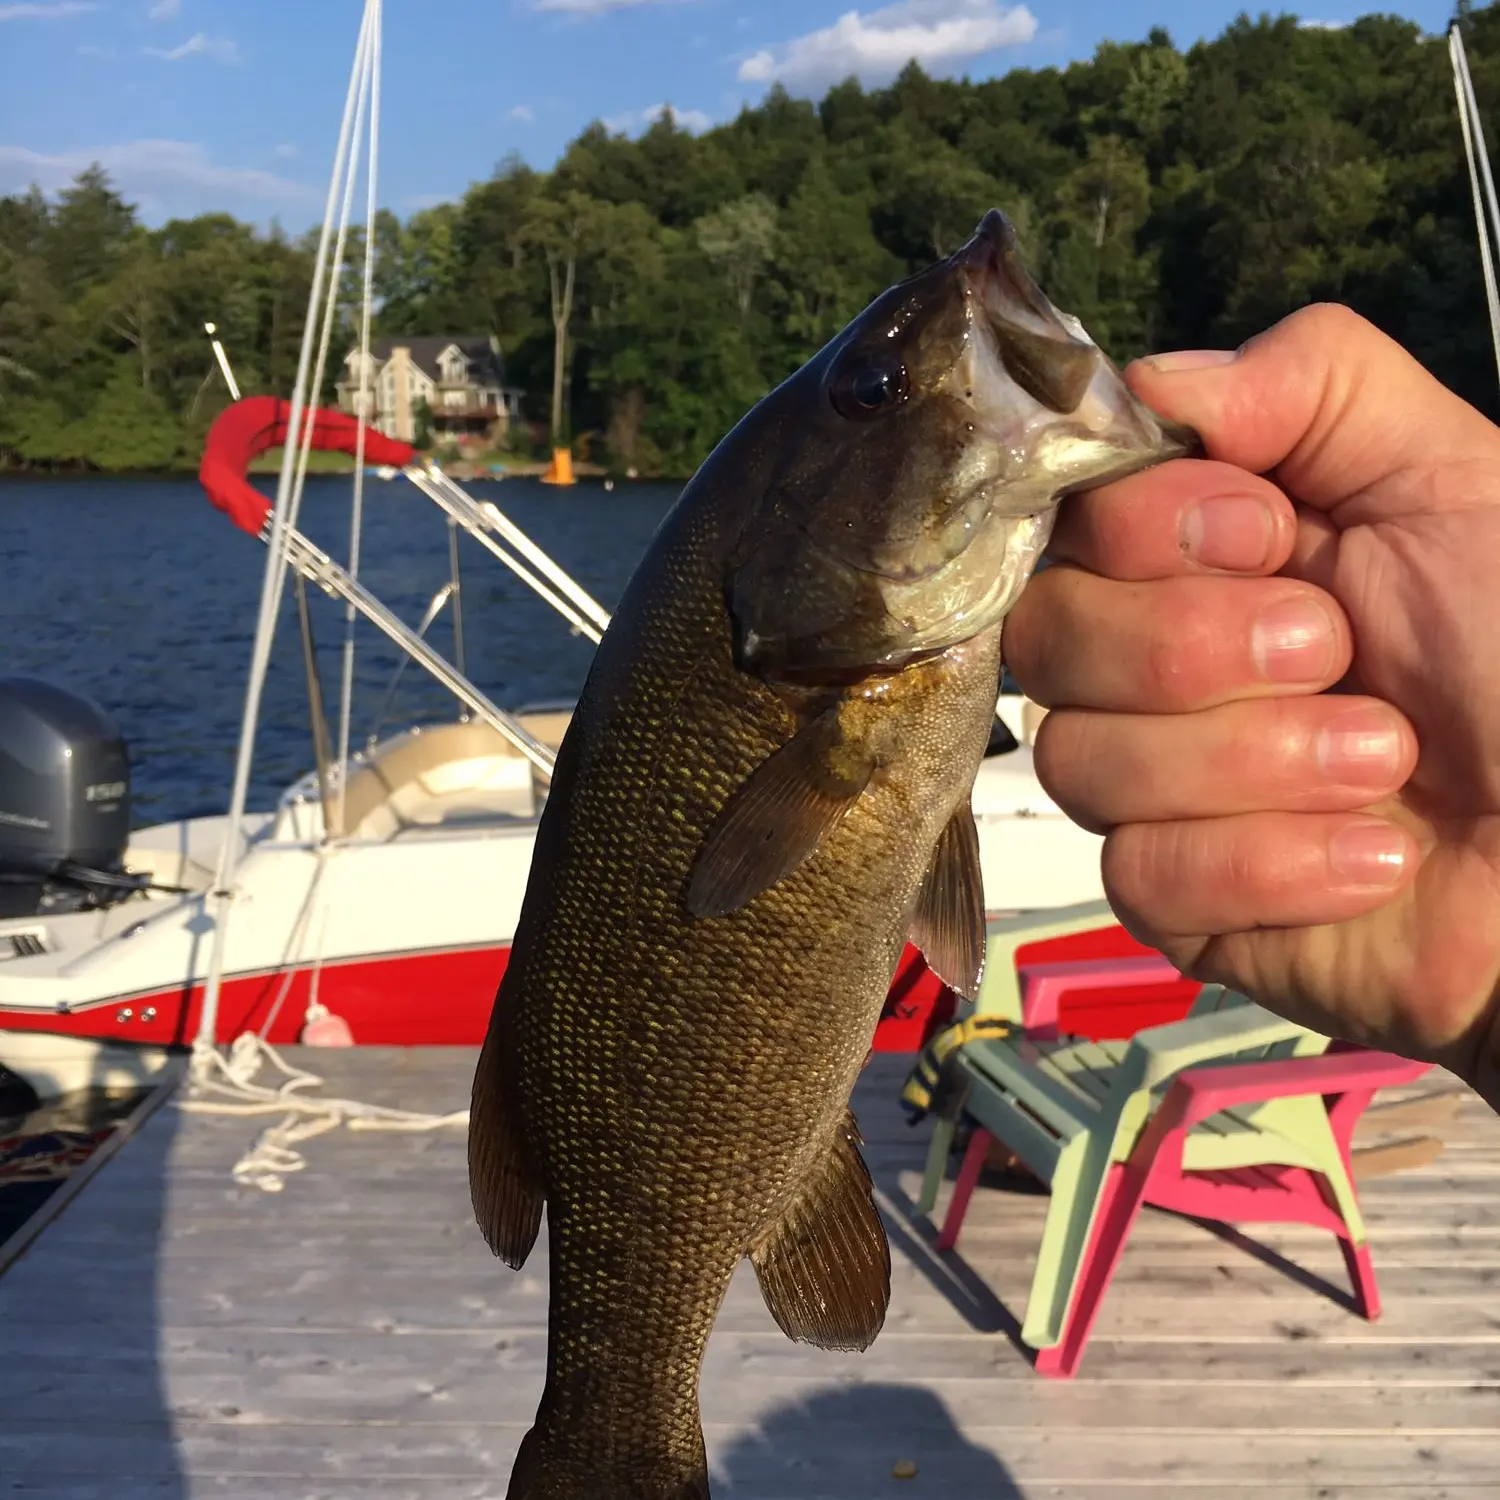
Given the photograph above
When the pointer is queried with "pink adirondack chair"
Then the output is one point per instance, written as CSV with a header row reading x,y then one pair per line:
x,y
1347,1079
1044,986
1222,1174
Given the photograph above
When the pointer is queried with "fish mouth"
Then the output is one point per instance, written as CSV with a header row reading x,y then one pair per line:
x,y
1087,426
1045,351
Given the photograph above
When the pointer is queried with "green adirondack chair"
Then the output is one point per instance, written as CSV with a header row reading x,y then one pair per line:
x,y
1000,995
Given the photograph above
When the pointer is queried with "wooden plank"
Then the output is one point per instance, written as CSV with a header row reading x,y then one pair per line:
x,y
747,1487
497,1389
40,1353
812,1447
334,1297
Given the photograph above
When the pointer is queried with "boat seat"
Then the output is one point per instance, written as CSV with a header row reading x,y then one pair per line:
x,y
443,773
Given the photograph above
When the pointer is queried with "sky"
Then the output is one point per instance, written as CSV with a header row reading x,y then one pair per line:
x,y
233,105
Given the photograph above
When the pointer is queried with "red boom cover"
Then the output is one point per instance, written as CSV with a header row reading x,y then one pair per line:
x,y
251,426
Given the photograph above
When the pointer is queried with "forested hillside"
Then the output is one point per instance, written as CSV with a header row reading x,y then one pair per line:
x,y
1168,198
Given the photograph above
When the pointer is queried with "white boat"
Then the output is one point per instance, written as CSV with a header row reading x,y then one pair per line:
x,y
400,927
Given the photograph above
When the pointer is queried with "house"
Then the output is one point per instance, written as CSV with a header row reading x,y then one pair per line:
x,y
460,380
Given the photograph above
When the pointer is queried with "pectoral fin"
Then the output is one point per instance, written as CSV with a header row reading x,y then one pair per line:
x,y
825,1268
503,1184
948,925
781,814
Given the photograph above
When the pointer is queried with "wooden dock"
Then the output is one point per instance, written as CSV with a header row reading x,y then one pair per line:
x,y
173,1335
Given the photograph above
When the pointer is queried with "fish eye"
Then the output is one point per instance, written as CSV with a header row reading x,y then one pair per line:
x,y
868,387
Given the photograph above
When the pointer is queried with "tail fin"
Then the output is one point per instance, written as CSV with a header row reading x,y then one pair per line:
x,y
547,1469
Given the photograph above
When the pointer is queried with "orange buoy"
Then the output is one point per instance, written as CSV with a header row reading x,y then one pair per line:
x,y
560,470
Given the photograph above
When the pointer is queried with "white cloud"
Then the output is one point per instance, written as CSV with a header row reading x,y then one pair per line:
x,y
521,112
637,119
1323,25
200,44
47,10
685,119
165,10
152,172
876,45
595,7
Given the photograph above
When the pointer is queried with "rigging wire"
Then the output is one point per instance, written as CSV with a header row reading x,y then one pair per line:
x,y
205,1056
1474,145
356,521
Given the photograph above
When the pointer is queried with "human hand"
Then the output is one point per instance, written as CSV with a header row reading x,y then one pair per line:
x,y
1285,717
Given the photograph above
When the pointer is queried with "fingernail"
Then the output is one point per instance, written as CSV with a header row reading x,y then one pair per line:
x,y
1359,748
1368,854
1190,359
1293,642
1229,531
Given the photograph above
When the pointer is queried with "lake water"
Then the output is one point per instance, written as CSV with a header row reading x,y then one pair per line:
x,y
141,595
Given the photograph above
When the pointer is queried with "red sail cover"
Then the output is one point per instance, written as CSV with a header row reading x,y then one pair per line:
x,y
251,426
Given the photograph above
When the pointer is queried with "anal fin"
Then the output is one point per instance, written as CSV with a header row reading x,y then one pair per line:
x,y
825,1267
948,925
503,1184
790,803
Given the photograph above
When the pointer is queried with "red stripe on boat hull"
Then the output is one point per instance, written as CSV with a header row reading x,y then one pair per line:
x,y
438,999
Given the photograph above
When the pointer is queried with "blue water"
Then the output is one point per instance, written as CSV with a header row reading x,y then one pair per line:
x,y
141,595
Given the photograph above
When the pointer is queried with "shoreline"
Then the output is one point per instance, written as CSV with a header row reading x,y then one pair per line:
x,y
269,465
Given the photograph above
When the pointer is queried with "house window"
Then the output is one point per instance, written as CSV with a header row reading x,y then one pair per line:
x,y
455,369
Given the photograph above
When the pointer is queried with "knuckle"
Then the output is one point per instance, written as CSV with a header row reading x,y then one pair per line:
x,y
1323,323
1068,759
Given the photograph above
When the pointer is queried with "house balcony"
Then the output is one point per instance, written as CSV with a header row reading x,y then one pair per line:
x,y
466,409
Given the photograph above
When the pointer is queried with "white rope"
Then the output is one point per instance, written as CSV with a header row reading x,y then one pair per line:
x,y
356,522
228,1087
218,901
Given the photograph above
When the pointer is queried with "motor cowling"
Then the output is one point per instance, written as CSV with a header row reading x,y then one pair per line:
x,y
64,801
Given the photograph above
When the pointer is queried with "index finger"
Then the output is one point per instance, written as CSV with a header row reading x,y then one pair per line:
x,y
1344,416
1190,516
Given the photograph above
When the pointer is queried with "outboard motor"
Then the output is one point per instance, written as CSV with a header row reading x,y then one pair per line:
x,y
64,802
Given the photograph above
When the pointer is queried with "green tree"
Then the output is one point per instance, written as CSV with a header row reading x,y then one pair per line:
x,y
740,239
129,427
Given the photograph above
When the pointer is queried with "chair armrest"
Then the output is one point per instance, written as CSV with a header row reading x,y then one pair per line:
x,y
1043,986
1161,1052
1000,990
1205,1091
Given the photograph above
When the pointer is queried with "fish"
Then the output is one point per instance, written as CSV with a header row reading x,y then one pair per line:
x,y
763,793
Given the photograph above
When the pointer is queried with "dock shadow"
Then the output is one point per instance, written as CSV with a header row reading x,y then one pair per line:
x,y
861,1442
85,1413
914,1236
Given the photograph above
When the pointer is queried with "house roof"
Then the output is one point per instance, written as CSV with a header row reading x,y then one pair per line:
x,y
485,362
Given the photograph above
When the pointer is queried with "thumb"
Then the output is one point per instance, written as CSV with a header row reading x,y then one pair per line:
x,y
1329,403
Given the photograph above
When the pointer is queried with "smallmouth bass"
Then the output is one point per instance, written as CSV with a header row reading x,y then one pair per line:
x,y
764,791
